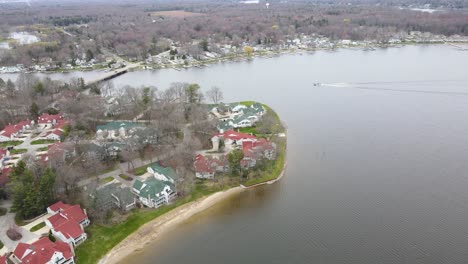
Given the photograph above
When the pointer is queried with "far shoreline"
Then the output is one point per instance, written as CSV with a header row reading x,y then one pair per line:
x,y
243,57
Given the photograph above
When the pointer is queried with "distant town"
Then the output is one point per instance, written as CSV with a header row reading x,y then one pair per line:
x,y
177,57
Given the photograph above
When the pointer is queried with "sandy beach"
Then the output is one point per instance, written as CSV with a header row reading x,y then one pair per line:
x,y
152,230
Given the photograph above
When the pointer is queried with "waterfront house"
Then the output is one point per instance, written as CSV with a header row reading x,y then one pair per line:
x,y
206,167
232,139
203,168
112,196
42,251
158,188
67,222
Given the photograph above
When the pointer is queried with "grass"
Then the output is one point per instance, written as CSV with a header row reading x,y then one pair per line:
x,y
18,151
248,130
3,211
125,177
101,239
37,227
43,141
10,143
43,149
138,171
1,244
106,180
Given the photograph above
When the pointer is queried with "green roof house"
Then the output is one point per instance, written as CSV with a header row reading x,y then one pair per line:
x,y
166,174
153,192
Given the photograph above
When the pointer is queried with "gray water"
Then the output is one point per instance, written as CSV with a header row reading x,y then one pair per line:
x,y
378,162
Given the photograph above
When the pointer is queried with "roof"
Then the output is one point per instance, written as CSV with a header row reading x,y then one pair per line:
x,y
67,213
168,172
56,132
12,129
46,118
61,123
115,125
202,165
150,187
41,251
58,206
74,212
70,229
233,135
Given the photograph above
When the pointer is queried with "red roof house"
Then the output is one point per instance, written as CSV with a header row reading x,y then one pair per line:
x,y
67,222
54,135
42,251
11,131
46,120
203,168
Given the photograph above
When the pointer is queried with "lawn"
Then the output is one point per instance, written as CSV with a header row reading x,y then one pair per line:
x,y
10,143
125,177
18,151
138,171
37,227
43,141
101,239
3,211
1,244
43,149
106,180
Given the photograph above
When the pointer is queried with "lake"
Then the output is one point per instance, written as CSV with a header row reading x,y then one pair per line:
x,y
377,161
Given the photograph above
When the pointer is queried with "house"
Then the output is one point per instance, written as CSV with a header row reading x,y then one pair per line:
x,y
232,138
112,196
206,167
203,168
42,251
238,116
12,132
116,129
158,189
256,150
56,134
67,222
46,121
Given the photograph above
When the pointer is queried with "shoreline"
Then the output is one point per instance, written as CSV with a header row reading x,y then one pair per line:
x,y
242,57
150,231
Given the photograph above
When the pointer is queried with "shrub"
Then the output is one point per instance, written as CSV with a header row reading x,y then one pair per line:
x,y
14,234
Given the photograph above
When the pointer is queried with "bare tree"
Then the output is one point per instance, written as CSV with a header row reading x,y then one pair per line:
x,y
215,94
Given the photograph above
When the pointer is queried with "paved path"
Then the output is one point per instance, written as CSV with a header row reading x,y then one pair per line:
x,y
8,221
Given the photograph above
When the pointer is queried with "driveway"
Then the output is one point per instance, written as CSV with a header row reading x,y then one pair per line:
x,y
8,221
